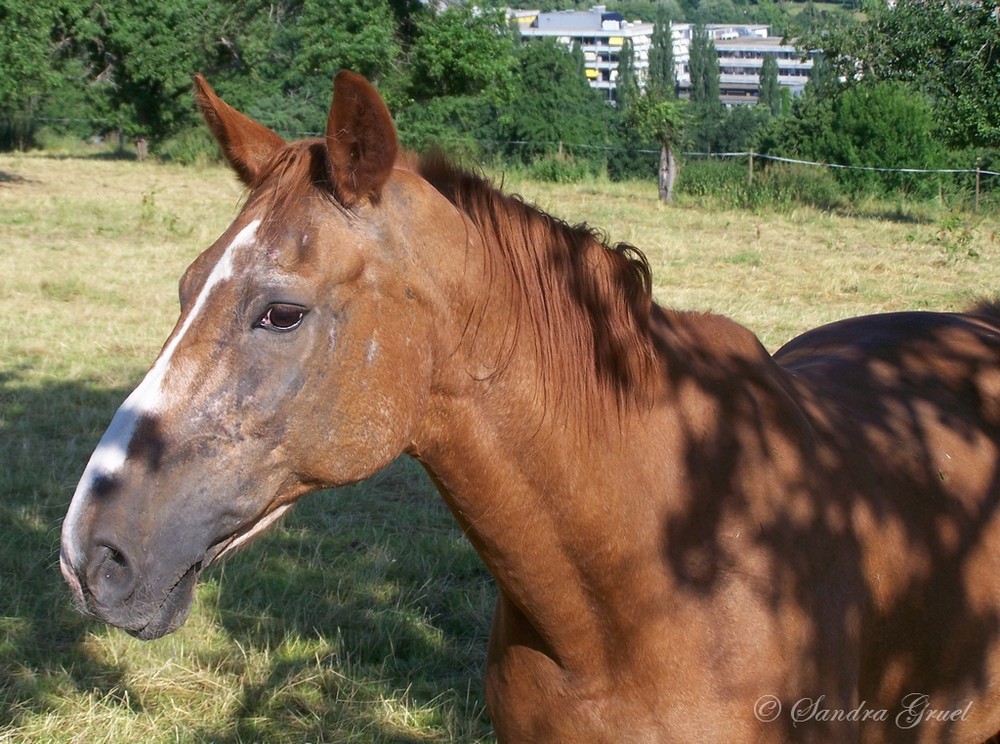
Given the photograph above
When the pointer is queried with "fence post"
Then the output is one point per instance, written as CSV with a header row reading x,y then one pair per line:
x,y
975,207
750,175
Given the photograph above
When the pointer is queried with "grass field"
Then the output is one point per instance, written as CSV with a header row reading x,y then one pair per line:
x,y
364,616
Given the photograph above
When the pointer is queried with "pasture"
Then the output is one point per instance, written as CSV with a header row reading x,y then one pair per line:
x,y
364,615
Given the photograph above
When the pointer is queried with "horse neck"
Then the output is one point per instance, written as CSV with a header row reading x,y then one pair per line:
x,y
528,467
535,502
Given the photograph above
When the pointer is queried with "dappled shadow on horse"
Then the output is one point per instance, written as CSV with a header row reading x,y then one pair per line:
x,y
693,540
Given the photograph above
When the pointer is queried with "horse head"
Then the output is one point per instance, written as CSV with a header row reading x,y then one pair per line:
x,y
301,359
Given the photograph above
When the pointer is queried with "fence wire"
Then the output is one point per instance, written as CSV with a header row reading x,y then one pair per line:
x,y
611,148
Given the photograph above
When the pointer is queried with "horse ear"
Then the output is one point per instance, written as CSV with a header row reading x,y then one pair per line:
x,y
360,139
247,144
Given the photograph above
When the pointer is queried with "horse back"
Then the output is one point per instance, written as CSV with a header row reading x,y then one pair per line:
x,y
906,408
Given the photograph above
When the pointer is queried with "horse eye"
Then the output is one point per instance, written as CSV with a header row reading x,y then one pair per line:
x,y
281,317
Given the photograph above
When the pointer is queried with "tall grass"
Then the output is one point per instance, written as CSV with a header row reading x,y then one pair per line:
x,y
363,617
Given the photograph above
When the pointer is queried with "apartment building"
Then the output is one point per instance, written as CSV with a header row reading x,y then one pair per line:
x,y
600,34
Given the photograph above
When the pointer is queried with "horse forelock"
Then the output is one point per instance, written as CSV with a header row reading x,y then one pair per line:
x,y
295,174
585,300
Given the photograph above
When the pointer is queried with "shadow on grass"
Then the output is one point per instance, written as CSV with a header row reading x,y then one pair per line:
x,y
363,617
377,611
898,215
6,178
44,432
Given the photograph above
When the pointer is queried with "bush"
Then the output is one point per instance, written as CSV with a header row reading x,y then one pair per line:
x,y
190,147
721,179
780,185
561,168
777,186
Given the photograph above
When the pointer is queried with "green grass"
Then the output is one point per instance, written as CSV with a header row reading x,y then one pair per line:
x,y
364,616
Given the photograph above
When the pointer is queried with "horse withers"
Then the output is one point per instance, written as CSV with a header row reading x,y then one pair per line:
x,y
693,540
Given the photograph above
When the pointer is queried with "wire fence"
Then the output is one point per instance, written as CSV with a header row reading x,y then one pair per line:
x,y
870,168
612,148
751,156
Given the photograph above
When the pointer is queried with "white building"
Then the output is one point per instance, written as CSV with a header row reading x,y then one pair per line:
x,y
600,34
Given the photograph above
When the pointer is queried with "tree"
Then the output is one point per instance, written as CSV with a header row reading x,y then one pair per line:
x,y
145,51
822,77
947,49
662,80
32,35
463,50
276,60
626,84
554,103
887,125
660,120
704,66
770,90
706,112
738,129
346,35
874,125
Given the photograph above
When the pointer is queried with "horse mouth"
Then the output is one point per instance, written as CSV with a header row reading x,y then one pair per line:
x,y
172,613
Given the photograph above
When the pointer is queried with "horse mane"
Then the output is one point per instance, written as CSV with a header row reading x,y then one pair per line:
x,y
584,299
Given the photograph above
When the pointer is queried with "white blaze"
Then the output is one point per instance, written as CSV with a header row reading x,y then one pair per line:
x,y
112,450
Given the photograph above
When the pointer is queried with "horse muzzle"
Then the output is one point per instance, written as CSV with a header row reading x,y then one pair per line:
x,y
110,586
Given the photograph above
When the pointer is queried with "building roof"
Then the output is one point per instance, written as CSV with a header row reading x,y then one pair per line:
x,y
575,22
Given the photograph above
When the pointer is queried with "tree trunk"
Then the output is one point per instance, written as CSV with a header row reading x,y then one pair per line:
x,y
668,173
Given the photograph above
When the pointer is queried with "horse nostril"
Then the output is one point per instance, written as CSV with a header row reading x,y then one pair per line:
x,y
114,562
111,576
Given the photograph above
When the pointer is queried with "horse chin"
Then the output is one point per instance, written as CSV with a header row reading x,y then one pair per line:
x,y
170,615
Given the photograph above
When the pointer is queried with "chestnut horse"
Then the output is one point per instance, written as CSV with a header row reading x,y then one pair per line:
x,y
693,541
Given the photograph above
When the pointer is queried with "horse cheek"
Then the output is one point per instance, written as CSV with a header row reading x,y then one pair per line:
x,y
373,411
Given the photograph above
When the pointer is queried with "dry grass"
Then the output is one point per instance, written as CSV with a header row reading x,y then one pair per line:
x,y
364,616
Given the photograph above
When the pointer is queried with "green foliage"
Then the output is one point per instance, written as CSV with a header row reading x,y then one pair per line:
x,y
662,80
659,120
781,186
26,52
949,51
461,51
147,51
553,103
30,34
191,147
739,128
725,180
706,112
357,35
878,125
704,66
629,157
459,125
626,84
776,187
884,125
770,91
562,168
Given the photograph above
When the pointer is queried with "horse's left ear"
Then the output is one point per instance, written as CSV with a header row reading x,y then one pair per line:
x,y
360,139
